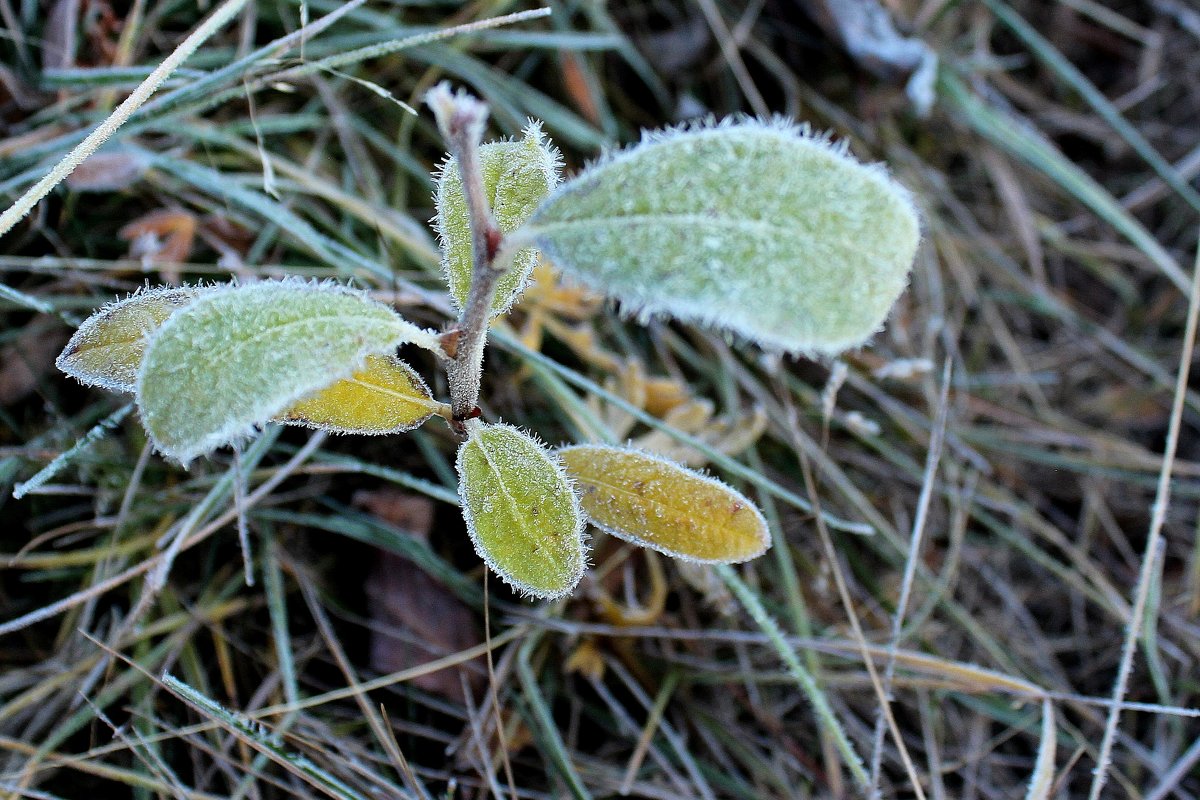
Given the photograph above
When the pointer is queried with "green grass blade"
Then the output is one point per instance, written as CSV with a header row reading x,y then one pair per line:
x,y
1049,54
1007,133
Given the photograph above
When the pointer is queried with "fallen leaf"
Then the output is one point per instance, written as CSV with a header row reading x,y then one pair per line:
x,y
60,34
110,172
23,363
161,237
578,89
417,619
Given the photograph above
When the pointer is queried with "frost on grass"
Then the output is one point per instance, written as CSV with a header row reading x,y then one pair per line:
x,y
240,355
754,227
659,504
107,349
521,511
517,175
385,396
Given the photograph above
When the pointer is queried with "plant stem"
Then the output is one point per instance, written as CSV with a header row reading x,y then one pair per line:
x,y
461,119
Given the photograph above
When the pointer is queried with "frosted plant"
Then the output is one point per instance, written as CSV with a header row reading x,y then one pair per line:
x,y
754,227
107,349
237,356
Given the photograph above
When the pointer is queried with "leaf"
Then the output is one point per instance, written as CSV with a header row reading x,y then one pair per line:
x,y
109,171
25,362
659,504
385,396
521,511
516,177
107,349
417,618
161,237
240,355
754,227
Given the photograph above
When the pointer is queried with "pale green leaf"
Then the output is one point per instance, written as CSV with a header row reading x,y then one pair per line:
x,y
107,349
521,511
754,227
648,500
240,355
385,396
516,177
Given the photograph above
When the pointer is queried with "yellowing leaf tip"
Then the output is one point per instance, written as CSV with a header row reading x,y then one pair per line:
x,y
106,349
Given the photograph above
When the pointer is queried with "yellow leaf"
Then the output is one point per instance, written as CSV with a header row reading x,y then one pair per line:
x,y
659,504
664,394
385,396
107,349
587,661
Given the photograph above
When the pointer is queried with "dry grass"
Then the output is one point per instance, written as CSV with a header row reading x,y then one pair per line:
x,y
1003,438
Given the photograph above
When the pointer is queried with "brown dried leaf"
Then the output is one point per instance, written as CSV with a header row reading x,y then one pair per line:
x,y
577,87
23,363
108,172
417,618
587,660
60,34
161,237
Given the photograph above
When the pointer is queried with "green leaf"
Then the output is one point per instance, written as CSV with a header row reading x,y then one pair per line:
x,y
521,511
516,177
385,396
240,355
754,227
107,349
654,502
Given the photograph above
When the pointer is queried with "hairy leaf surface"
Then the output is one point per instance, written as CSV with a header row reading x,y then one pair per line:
x,y
107,349
659,504
240,355
516,177
385,396
521,511
753,227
